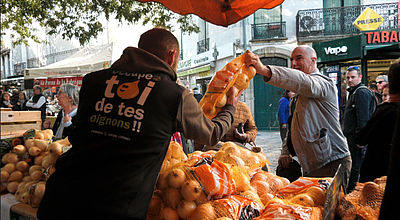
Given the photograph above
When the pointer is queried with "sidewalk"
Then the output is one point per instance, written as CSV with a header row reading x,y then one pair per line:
x,y
270,142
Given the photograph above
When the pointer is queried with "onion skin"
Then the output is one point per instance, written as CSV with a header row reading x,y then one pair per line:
x,y
176,178
186,208
191,190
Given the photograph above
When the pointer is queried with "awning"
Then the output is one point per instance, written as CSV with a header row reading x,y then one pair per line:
x,y
84,61
390,51
12,79
194,70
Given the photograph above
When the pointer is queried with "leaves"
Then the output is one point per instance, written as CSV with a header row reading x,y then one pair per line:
x,y
80,18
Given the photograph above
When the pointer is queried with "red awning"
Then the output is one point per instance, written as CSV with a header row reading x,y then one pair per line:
x,y
219,12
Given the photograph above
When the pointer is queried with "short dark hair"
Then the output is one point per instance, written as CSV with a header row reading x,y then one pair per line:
x,y
354,68
394,78
373,86
159,42
37,87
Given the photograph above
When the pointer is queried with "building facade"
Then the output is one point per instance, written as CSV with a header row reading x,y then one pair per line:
x,y
272,34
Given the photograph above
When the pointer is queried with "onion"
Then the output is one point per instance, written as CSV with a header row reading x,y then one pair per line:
x,y
27,179
162,181
261,187
265,198
242,181
186,208
41,144
22,166
284,181
221,102
172,197
176,177
25,197
169,214
317,194
191,190
34,168
275,184
302,199
38,160
4,176
36,175
29,143
15,176
55,148
12,158
34,151
10,167
4,159
253,196
12,186
259,176
19,149
242,81
39,189
39,135
204,211
155,206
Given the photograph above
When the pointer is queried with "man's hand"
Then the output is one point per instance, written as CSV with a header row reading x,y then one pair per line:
x,y
233,95
240,136
283,125
252,59
285,160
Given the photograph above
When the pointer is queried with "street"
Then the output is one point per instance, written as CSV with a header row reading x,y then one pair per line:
x,y
270,142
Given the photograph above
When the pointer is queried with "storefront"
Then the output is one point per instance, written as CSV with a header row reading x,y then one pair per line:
x,y
372,51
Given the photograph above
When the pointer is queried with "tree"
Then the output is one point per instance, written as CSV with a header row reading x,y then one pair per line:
x,y
79,18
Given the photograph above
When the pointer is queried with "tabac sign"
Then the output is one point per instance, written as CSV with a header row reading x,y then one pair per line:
x,y
369,20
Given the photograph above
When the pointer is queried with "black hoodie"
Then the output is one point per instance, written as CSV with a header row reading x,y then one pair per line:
x,y
125,119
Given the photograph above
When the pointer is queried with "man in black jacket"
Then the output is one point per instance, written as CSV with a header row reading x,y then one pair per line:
x,y
359,108
123,126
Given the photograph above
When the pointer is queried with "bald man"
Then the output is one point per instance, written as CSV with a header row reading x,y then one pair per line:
x,y
315,132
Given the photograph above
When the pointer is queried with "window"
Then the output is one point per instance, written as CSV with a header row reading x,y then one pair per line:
x,y
268,15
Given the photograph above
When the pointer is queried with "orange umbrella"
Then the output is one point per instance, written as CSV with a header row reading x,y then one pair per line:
x,y
219,12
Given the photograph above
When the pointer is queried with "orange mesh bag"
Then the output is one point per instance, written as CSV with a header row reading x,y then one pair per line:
x,y
175,155
194,157
281,209
235,73
230,207
302,184
215,177
242,157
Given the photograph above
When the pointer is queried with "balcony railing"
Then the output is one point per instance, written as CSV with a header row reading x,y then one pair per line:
x,y
203,45
328,22
19,68
266,31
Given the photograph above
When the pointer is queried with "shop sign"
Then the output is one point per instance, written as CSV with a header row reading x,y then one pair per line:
x,y
57,82
335,50
383,37
369,20
340,49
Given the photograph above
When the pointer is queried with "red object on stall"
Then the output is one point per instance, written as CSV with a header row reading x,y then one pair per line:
x,y
219,12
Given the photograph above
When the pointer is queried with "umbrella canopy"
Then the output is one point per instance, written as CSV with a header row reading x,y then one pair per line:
x,y
219,12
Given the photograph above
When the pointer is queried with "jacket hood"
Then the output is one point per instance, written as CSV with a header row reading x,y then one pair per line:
x,y
137,60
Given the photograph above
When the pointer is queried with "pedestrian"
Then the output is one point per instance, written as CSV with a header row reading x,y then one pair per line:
x,y
283,112
315,129
359,108
381,81
196,94
38,103
5,100
385,93
68,99
123,126
374,88
14,96
20,104
377,135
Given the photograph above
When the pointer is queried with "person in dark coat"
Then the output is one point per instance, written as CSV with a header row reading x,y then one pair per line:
x,y
20,104
359,108
123,126
283,112
378,133
68,99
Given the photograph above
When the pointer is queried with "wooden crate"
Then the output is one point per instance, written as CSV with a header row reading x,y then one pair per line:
x,y
15,123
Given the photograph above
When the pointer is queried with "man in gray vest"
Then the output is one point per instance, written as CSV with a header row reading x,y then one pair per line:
x,y
359,108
